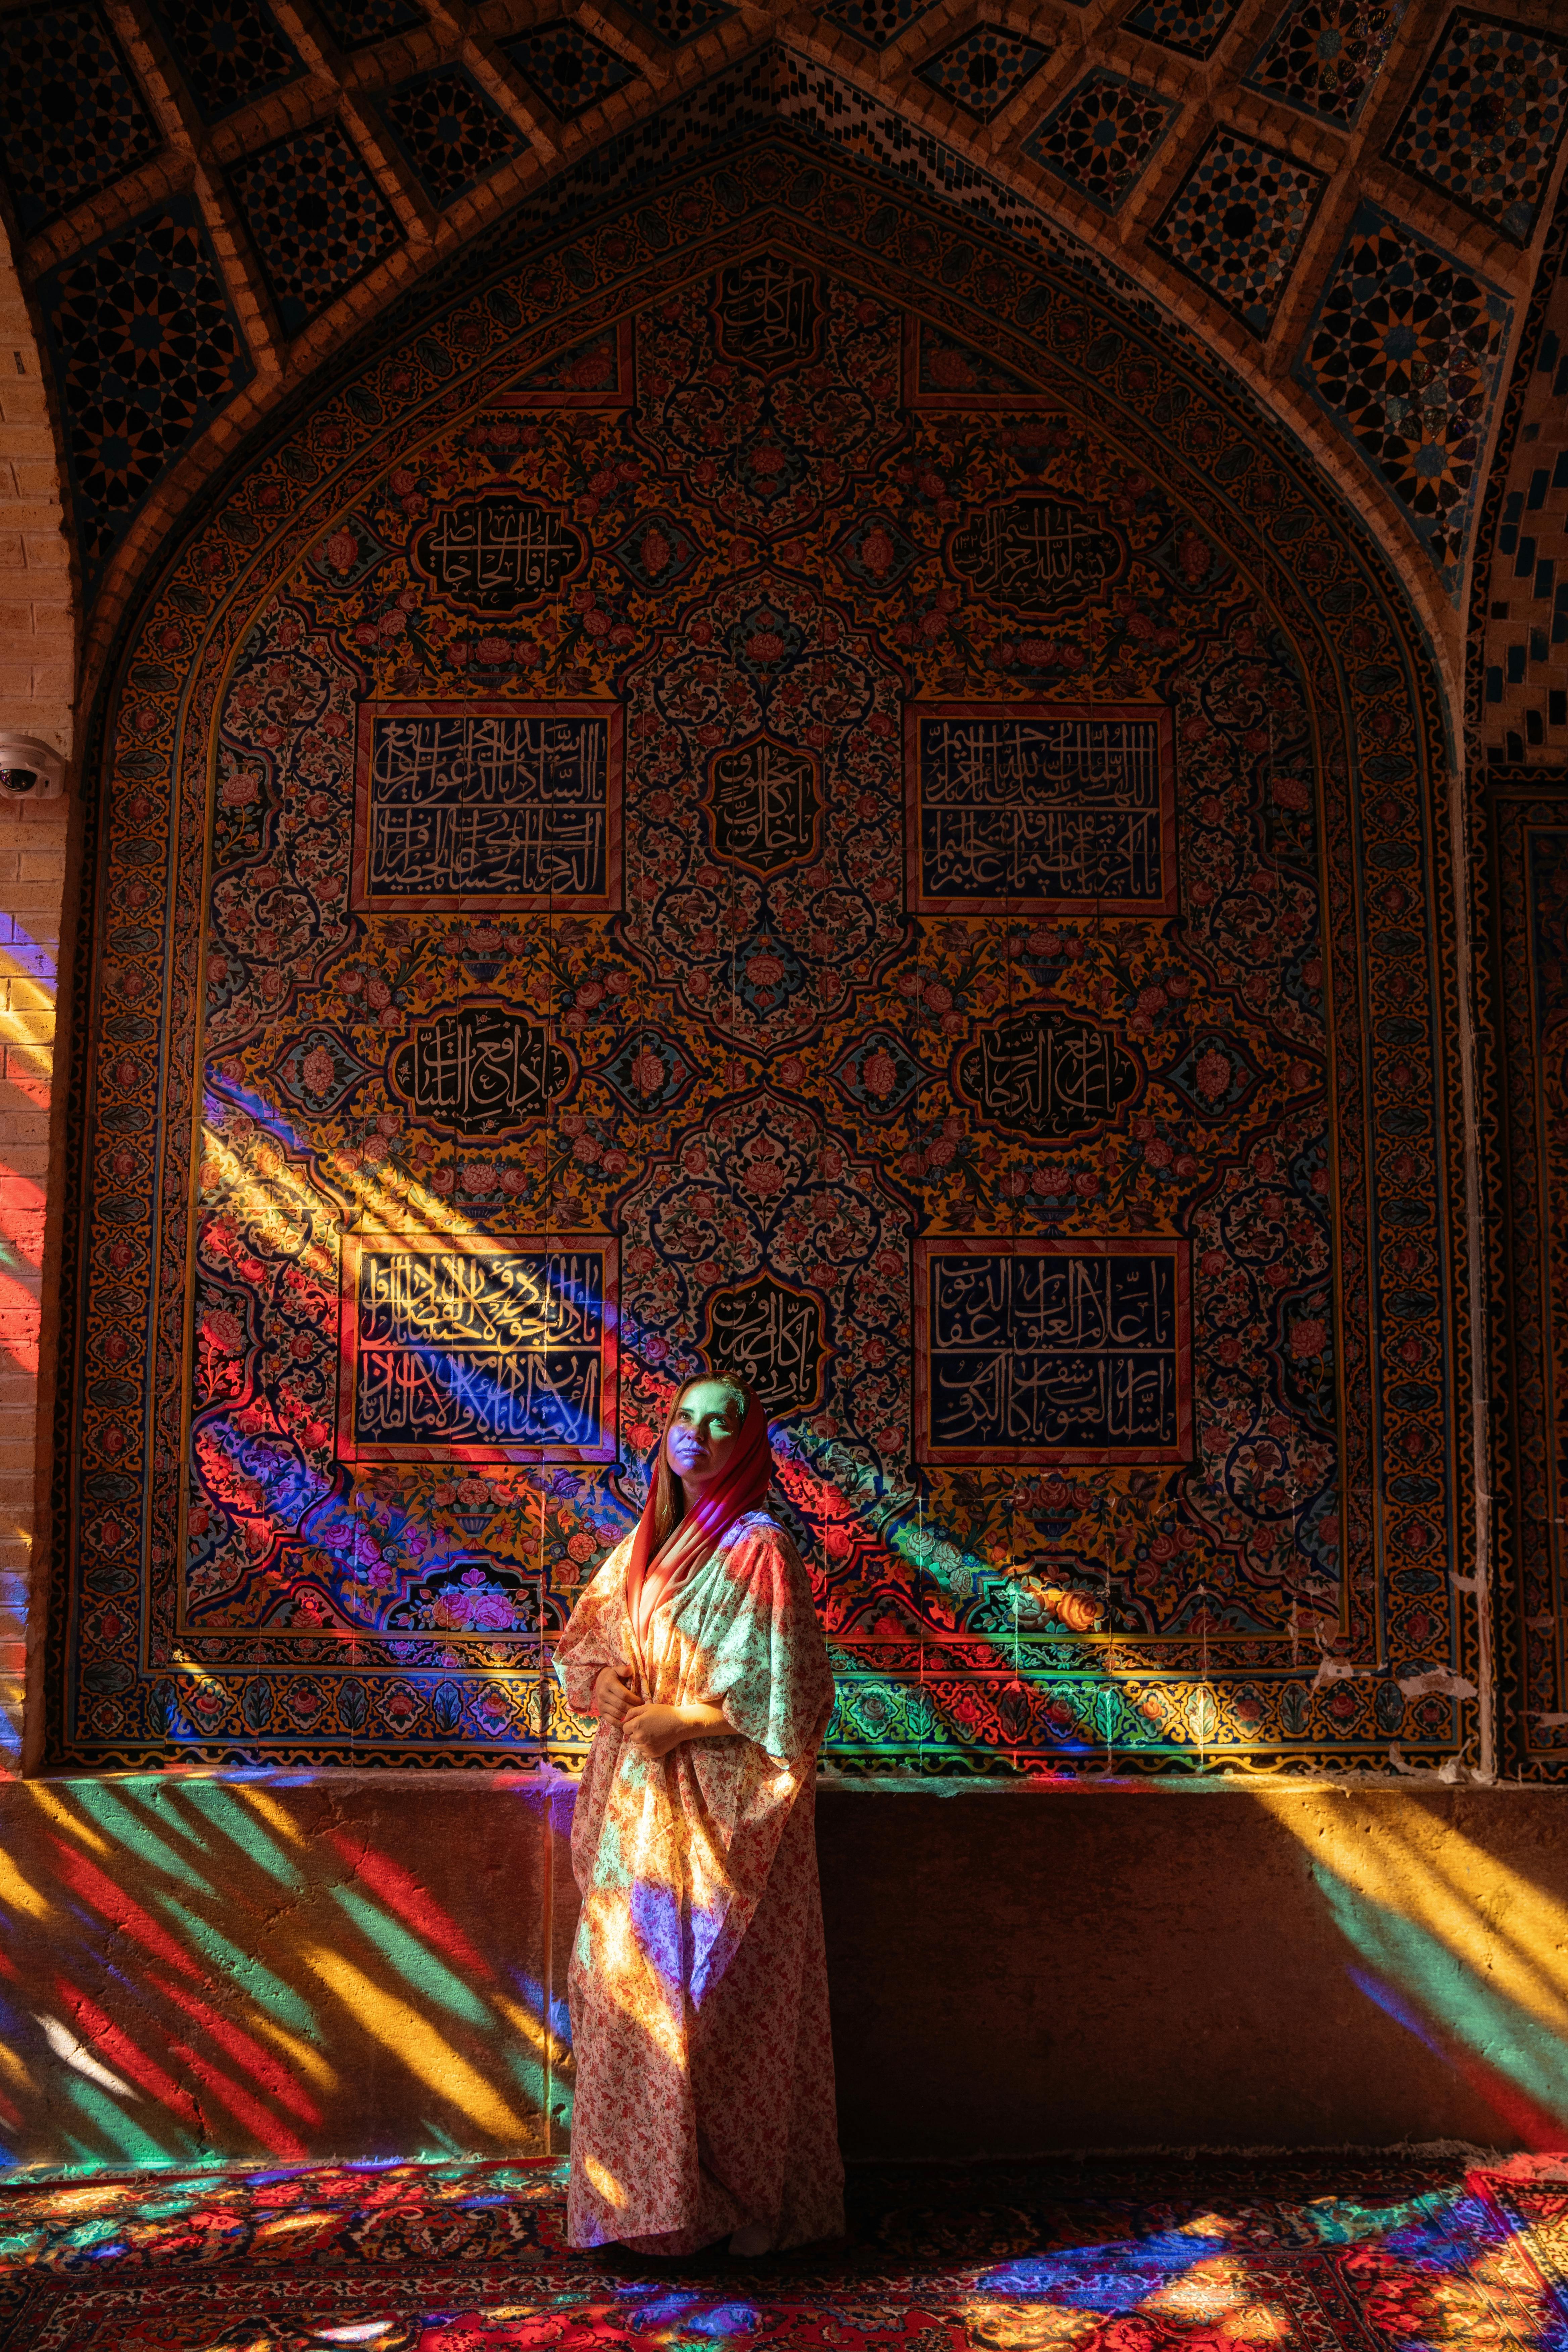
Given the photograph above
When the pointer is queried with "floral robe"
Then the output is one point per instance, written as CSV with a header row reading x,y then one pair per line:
x,y
697,1985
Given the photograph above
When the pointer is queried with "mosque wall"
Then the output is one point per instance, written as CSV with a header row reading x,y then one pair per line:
x,y
563,800
552,911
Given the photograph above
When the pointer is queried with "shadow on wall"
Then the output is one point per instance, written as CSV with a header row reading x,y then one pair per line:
x,y
199,1970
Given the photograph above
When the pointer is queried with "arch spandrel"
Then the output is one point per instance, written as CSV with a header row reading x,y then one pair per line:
x,y
1047,517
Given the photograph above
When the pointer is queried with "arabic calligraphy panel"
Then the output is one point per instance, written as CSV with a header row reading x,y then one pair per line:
x,y
1037,556
1052,1351
767,307
471,1348
774,1336
500,552
480,1071
1041,807
762,804
1048,1075
474,804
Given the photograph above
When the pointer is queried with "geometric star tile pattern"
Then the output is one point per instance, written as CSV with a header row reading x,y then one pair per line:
x,y
566,68
1192,26
675,21
354,23
146,351
876,22
71,117
449,130
230,51
983,71
1485,124
1327,55
316,217
1102,135
1236,224
1402,355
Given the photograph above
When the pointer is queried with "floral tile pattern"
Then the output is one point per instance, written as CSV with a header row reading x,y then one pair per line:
x,y
449,130
357,22
231,52
1192,27
1327,55
1102,135
1484,125
71,117
984,71
1403,356
567,67
146,350
316,217
1236,224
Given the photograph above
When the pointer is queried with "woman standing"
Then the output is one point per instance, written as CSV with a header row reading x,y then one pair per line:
x,y
704,2104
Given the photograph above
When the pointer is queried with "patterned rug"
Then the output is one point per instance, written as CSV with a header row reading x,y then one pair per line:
x,y
1395,2254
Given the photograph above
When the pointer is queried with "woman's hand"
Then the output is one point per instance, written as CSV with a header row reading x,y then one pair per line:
x,y
653,1730
614,1696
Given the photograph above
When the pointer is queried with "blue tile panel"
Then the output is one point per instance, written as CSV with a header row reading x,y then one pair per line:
x,y
449,131
984,71
1236,223
1327,55
567,68
231,52
355,24
1403,356
71,117
1192,27
146,351
1100,137
1485,124
316,217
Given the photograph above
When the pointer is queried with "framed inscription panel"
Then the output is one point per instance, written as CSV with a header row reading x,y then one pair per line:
x,y
1052,1351
472,806
1040,808
474,1347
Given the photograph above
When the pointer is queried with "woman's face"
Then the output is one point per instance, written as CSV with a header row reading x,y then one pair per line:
x,y
702,1435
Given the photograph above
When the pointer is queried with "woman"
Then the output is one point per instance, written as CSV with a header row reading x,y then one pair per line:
x,y
704,2104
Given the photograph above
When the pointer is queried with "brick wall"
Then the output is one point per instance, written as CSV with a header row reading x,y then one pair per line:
x,y
38,666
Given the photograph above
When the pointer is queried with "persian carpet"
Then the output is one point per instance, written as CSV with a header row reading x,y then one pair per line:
x,y
1402,2253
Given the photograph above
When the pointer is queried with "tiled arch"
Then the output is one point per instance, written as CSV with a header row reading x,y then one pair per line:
x,y
1300,188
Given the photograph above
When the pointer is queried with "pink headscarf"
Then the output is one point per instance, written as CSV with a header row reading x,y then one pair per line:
x,y
742,1486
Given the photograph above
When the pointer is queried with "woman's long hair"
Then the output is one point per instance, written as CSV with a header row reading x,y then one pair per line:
x,y
668,1493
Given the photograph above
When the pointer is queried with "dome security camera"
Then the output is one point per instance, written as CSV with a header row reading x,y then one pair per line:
x,y
30,770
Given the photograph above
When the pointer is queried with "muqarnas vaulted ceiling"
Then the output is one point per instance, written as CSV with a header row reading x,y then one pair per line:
x,y
1340,198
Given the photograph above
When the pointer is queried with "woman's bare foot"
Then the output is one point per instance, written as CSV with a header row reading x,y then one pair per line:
x,y
756,2238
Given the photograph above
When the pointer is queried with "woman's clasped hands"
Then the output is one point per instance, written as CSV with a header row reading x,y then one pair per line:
x,y
651,1729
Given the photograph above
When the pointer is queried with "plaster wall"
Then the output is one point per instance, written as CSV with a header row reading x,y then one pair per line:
x,y
201,1969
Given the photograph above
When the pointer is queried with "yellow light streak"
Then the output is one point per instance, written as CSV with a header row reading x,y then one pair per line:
x,y
524,2021
274,1815
604,2180
1395,1854
83,1832
304,2058
20,1892
414,2041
